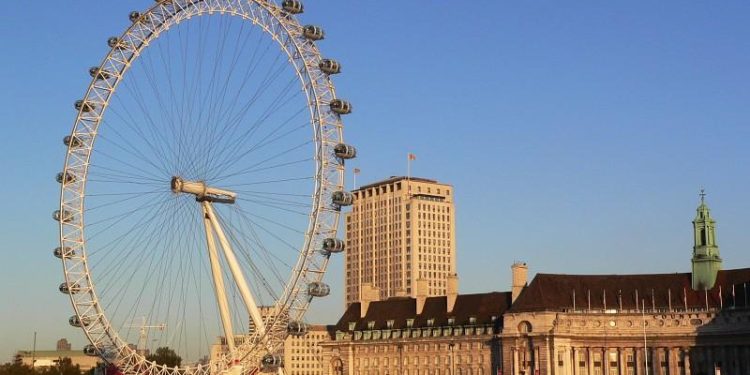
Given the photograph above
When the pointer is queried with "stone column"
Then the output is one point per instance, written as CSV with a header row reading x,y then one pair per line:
x,y
686,360
350,360
605,361
622,363
638,358
552,360
576,359
589,361
514,364
674,357
536,363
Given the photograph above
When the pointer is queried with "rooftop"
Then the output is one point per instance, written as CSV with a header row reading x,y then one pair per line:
x,y
554,292
486,308
393,179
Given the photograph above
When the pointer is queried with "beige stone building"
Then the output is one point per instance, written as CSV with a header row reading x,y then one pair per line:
x,y
695,323
302,354
50,358
662,324
624,324
440,335
400,230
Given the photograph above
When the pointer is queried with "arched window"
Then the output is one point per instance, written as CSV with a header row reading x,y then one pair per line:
x,y
524,327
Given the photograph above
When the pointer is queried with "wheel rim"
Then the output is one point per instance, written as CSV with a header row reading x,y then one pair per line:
x,y
94,176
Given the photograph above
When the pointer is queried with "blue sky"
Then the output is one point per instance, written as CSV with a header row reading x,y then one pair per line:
x,y
576,136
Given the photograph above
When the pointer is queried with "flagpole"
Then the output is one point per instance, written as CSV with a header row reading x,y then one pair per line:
x,y
356,172
645,345
409,158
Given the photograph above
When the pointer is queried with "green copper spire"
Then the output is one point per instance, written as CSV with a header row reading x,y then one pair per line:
x,y
706,260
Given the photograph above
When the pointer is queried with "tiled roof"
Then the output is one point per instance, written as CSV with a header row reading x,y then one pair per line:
x,y
483,307
552,292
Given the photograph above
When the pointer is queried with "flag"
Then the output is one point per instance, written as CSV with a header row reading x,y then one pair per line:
x,y
412,156
356,171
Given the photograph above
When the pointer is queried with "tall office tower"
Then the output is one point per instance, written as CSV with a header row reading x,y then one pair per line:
x,y
400,231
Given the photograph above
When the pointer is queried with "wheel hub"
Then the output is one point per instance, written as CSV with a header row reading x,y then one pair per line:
x,y
202,191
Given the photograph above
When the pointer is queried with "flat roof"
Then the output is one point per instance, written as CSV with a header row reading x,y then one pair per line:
x,y
393,179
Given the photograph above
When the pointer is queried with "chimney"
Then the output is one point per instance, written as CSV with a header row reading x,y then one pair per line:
x,y
520,272
369,294
452,291
422,287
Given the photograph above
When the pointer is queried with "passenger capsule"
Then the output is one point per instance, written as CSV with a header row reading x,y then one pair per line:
x,y
134,16
63,252
329,66
65,178
82,106
91,350
345,151
341,107
318,289
97,73
333,245
342,198
270,363
296,328
63,216
69,289
115,42
75,321
72,141
313,32
292,6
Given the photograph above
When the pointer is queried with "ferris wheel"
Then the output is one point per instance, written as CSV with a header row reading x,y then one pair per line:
x,y
202,187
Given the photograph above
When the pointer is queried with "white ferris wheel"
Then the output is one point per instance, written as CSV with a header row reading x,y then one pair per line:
x,y
202,187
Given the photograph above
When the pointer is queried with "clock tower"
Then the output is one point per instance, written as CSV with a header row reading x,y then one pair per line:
x,y
706,260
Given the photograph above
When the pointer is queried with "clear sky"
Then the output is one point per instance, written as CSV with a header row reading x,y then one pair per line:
x,y
577,136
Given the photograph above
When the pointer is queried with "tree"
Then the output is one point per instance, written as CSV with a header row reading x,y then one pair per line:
x,y
64,366
16,368
165,356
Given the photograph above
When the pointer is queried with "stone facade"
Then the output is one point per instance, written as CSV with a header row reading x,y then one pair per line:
x,y
418,336
595,343
618,325
398,232
302,354
49,358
